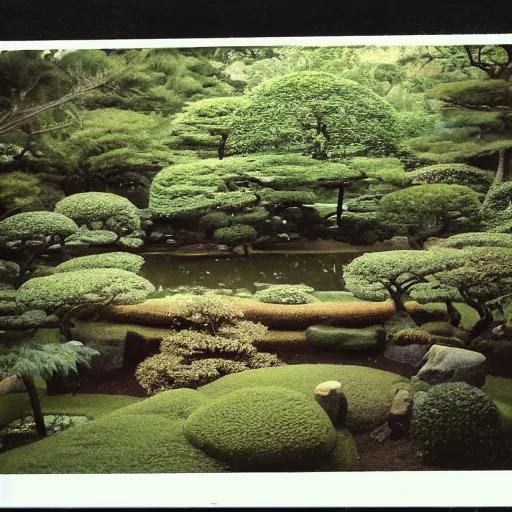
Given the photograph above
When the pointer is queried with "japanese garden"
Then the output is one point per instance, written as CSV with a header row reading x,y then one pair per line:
x,y
264,259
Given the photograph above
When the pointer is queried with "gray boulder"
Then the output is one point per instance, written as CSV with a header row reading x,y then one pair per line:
x,y
452,364
408,354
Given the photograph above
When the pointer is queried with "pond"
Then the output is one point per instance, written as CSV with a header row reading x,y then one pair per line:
x,y
321,271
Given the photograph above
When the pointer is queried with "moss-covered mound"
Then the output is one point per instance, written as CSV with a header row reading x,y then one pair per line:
x,y
500,390
276,340
263,427
369,391
275,316
146,437
345,338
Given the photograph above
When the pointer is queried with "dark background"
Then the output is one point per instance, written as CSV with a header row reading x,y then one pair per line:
x,y
144,19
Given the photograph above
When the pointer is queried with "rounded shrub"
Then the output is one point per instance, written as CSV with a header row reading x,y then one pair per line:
x,y
238,234
412,337
287,294
131,242
453,174
29,226
123,260
484,239
263,428
116,213
89,286
457,426
255,217
85,236
213,220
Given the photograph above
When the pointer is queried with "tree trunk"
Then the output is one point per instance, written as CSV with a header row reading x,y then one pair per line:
x,y
36,406
455,316
486,319
503,173
339,206
415,244
222,146
246,251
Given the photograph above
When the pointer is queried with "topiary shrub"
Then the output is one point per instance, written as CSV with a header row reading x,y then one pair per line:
x,y
122,260
131,242
213,221
235,235
457,426
27,320
45,227
89,286
85,237
116,213
287,294
263,428
484,239
412,337
453,174
255,217
345,338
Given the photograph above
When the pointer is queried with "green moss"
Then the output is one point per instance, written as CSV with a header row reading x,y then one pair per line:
x,y
345,338
335,296
268,427
445,329
48,335
369,391
85,236
27,320
141,437
457,426
344,455
483,239
469,315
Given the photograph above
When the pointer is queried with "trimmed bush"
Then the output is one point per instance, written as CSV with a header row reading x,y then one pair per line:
x,y
122,260
369,391
131,243
457,426
214,220
27,320
453,174
255,217
8,269
116,213
85,236
269,428
32,226
345,338
484,239
287,294
90,286
234,235
285,198
412,337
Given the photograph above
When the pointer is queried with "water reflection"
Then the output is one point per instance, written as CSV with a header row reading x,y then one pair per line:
x,y
322,272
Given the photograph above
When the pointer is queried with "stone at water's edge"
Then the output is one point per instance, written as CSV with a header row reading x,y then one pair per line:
x,y
332,400
451,364
401,412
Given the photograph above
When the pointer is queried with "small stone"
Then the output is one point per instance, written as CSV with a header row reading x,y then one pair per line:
x,y
381,433
401,412
332,400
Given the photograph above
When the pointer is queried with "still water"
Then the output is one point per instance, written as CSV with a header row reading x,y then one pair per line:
x,y
321,271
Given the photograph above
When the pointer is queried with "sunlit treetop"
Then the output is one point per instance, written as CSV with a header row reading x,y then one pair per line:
x,y
318,113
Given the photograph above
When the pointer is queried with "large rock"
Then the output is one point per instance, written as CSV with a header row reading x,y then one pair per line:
x,y
332,400
408,354
451,364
